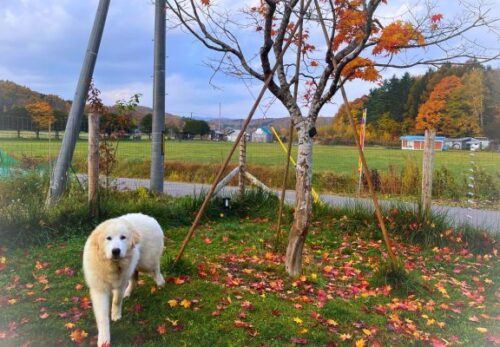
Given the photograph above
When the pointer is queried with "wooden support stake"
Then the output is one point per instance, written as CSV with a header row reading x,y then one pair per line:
x,y
366,170
93,165
255,181
242,166
201,211
225,181
427,168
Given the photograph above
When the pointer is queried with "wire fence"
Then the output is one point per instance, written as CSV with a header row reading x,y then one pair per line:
x,y
395,172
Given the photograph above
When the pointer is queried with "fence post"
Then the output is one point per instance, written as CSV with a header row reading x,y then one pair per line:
x,y
93,165
427,169
242,164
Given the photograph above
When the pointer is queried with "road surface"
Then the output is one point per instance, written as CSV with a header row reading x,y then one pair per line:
x,y
486,219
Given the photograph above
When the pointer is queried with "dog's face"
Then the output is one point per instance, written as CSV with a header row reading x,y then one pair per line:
x,y
116,239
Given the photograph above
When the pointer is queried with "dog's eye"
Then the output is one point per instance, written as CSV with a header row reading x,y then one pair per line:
x,y
108,238
122,237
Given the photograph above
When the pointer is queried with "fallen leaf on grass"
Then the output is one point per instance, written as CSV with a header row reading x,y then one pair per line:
x,y
161,329
344,337
240,324
185,303
78,336
172,302
493,338
299,341
297,320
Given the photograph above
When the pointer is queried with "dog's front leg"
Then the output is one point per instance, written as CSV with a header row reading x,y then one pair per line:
x,y
116,308
100,304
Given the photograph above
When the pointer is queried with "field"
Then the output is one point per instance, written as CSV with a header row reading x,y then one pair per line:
x,y
337,159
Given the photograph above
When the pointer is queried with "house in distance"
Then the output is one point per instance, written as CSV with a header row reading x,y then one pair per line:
x,y
263,134
416,142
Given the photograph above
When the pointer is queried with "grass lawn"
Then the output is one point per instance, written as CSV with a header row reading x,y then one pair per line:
x,y
338,159
233,292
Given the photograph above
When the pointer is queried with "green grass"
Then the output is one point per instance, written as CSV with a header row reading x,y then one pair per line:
x,y
230,276
280,312
338,159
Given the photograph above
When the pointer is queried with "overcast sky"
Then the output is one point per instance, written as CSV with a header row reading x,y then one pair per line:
x,y
42,43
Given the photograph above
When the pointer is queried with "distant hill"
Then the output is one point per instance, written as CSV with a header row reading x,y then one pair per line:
x,y
277,123
14,95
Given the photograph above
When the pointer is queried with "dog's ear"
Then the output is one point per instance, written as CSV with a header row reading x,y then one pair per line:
x,y
94,239
135,237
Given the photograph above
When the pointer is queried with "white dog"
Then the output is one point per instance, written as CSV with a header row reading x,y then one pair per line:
x,y
114,253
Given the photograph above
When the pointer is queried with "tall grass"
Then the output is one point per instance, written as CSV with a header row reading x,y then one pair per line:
x,y
24,218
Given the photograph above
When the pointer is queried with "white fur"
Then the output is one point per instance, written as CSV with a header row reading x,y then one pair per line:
x,y
139,239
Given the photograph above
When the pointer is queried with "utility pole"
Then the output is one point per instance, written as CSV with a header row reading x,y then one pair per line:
x,y
220,112
157,143
58,178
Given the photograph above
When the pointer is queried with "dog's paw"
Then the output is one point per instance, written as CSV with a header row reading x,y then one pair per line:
x,y
127,292
160,281
116,316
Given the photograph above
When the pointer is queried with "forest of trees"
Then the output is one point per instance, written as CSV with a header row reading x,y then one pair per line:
x,y
455,100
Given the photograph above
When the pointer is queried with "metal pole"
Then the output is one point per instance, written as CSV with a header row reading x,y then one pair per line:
x,y
59,175
157,144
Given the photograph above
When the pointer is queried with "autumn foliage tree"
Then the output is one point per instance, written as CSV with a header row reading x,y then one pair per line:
x,y
360,42
450,110
42,116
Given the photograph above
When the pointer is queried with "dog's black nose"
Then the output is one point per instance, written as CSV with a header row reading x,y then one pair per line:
x,y
115,252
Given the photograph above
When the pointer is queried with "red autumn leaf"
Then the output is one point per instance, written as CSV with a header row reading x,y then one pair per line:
x,y
44,315
161,329
205,2
436,18
240,324
207,241
314,63
435,342
493,338
78,336
299,341
247,305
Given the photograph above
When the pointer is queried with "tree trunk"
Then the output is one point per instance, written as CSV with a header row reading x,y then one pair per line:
x,y
303,204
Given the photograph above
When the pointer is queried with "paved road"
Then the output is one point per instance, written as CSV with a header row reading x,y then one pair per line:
x,y
457,215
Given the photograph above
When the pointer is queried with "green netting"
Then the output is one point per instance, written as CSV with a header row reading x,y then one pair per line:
x,y
6,163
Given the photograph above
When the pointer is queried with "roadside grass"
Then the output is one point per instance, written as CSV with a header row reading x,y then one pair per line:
x,y
396,173
231,288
